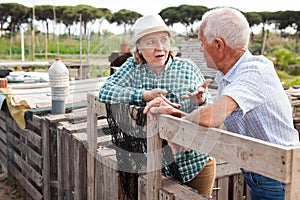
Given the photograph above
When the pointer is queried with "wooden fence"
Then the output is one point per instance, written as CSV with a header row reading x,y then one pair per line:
x,y
277,162
68,156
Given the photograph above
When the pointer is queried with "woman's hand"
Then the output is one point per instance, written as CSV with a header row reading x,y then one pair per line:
x,y
198,96
149,95
176,148
164,106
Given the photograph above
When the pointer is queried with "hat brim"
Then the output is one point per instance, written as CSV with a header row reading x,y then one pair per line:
x,y
136,38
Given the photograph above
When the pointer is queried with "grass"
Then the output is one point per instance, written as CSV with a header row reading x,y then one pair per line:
x,y
288,80
100,47
13,185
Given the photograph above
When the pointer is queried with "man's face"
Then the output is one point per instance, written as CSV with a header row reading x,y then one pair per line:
x,y
208,49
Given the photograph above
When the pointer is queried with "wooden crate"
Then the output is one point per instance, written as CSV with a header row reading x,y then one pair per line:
x,y
174,190
3,142
25,158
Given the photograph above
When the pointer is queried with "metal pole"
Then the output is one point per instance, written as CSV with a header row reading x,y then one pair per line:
x,y
22,43
32,31
80,19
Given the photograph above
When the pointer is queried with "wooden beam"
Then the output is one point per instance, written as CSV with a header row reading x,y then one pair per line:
x,y
240,150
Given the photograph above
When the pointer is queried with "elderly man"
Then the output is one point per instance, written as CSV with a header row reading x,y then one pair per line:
x,y
250,100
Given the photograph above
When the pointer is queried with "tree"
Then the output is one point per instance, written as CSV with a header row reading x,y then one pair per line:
x,y
68,16
44,13
184,14
170,15
125,17
253,18
101,14
14,15
88,14
190,14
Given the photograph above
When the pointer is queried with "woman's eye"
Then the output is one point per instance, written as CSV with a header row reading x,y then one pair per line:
x,y
151,42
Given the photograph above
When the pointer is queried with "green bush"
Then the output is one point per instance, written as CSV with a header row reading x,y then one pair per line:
x,y
284,58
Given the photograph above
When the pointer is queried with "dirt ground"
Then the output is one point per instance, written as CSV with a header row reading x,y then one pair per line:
x,y
7,192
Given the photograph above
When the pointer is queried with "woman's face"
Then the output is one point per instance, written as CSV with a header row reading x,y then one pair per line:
x,y
155,48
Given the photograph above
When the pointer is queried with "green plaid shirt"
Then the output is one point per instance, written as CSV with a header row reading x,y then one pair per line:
x,y
178,77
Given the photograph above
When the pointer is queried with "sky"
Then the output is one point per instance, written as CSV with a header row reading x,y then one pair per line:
x,y
155,6
146,7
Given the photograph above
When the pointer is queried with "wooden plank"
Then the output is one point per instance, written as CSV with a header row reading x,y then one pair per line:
x,y
33,138
81,127
32,155
225,169
3,136
67,162
13,140
292,189
223,184
12,125
170,189
47,109
75,114
179,191
101,141
45,133
154,160
99,180
35,121
3,161
2,124
3,147
60,163
30,189
27,170
98,107
92,145
107,178
243,151
238,186
80,174
142,188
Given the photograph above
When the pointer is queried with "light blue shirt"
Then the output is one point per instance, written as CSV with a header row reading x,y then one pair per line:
x,y
264,110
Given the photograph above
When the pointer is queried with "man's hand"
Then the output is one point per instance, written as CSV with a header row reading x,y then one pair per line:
x,y
198,96
164,106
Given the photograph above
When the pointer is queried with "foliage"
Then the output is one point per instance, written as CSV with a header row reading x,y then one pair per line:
x,y
184,14
16,14
125,17
284,58
287,79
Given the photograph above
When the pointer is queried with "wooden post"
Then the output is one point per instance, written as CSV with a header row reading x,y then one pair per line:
x,y
92,146
60,163
46,159
94,109
292,189
154,160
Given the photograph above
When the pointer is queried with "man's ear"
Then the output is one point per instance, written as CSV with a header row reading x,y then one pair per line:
x,y
220,44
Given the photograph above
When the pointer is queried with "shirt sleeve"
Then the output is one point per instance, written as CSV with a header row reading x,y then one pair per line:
x,y
120,87
246,90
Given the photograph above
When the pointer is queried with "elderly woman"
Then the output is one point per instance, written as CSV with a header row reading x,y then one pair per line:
x,y
153,71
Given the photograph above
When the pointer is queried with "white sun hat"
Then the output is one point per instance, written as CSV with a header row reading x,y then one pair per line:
x,y
149,24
